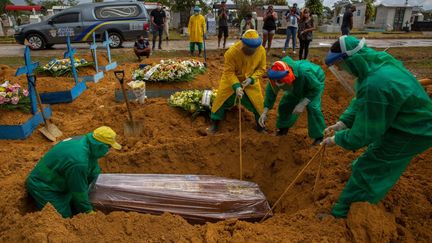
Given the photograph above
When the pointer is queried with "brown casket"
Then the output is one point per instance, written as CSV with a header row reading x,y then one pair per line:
x,y
198,198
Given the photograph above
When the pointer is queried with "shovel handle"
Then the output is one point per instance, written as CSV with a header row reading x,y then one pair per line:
x,y
119,75
32,80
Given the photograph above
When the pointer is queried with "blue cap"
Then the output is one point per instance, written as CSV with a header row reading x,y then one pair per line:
x,y
197,9
276,75
333,57
254,43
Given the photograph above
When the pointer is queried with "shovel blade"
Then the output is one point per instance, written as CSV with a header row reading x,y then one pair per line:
x,y
134,128
53,129
47,134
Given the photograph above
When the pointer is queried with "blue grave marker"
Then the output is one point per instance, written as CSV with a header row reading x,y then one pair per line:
x,y
66,96
98,75
111,65
24,130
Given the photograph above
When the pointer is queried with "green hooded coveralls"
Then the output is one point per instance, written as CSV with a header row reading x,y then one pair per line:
x,y
391,114
308,83
63,176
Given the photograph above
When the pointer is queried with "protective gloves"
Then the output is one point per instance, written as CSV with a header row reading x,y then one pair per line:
x,y
299,108
339,126
92,212
263,117
247,82
239,92
330,141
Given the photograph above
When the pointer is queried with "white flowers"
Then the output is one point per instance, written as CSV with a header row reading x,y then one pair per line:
x,y
169,70
61,67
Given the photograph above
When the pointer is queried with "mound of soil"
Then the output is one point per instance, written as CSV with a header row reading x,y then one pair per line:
x,y
174,143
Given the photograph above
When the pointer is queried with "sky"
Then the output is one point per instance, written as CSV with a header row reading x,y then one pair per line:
x,y
427,4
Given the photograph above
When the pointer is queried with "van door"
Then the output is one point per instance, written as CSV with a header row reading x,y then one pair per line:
x,y
63,25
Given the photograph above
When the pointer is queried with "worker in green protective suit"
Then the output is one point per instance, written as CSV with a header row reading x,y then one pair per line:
x,y
62,177
303,83
391,114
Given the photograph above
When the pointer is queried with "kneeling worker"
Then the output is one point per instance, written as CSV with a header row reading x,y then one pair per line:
x,y
62,177
245,64
303,85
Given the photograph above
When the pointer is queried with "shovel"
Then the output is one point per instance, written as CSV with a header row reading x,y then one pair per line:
x,y
131,127
50,130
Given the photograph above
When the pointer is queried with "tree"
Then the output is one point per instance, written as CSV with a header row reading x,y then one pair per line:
x,y
276,2
370,10
315,7
3,5
30,2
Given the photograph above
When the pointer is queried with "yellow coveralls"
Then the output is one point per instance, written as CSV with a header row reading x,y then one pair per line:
x,y
237,68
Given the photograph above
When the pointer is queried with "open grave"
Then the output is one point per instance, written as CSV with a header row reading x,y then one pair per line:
x,y
174,143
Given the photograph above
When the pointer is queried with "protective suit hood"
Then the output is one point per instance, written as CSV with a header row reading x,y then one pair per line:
x,y
365,60
97,149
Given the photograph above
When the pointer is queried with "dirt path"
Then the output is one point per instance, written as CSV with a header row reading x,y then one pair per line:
x,y
174,143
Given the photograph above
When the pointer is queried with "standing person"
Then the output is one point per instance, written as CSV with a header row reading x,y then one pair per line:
x,y
347,20
142,47
196,29
248,23
158,19
269,28
292,18
303,86
223,24
167,22
306,26
391,114
63,176
245,64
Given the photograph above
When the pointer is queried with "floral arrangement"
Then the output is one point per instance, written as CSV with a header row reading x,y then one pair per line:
x,y
12,97
192,100
170,71
61,67
138,88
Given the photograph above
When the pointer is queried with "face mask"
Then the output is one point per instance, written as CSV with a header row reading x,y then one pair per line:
x,y
158,7
248,51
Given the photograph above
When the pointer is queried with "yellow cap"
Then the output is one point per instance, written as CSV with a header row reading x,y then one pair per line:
x,y
106,135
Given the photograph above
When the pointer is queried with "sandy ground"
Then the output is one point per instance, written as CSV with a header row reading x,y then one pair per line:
x,y
174,143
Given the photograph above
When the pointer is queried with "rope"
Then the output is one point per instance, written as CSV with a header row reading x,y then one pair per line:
x,y
319,168
292,183
240,142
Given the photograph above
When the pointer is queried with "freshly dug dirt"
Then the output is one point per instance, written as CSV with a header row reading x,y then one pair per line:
x,y
174,143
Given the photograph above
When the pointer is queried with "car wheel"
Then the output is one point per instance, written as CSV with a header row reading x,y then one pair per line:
x,y
36,41
116,40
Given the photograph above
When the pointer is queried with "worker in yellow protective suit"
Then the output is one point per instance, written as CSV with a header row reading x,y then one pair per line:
x,y
196,29
245,64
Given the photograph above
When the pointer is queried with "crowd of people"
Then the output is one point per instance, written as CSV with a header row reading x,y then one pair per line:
x,y
300,26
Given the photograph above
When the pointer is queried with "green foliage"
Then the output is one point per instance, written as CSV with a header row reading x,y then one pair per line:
x,y
370,10
3,4
315,6
47,4
276,2
244,8
30,2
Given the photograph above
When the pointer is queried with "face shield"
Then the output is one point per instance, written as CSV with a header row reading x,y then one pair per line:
x,y
335,62
346,79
